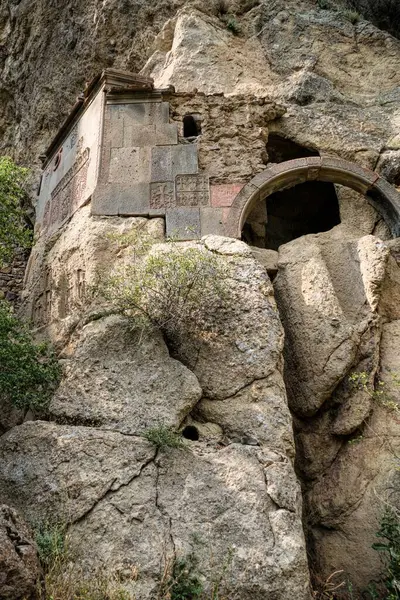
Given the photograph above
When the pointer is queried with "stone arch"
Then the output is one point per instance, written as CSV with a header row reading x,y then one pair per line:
x,y
383,196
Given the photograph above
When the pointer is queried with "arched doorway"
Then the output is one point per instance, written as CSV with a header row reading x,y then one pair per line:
x,y
379,193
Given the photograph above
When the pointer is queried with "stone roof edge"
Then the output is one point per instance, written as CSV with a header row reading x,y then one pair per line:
x,y
113,81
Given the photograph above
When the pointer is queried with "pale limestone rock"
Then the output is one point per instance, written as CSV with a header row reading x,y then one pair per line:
x,y
256,415
72,262
212,503
234,489
19,563
48,470
243,353
226,246
338,299
123,379
219,61
127,506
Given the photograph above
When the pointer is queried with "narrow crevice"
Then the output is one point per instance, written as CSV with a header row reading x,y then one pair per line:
x,y
110,491
162,512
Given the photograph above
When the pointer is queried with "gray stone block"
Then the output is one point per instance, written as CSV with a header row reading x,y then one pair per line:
x,y
130,165
166,134
114,113
161,164
184,159
183,223
146,113
169,161
211,221
139,135
162,195
119,199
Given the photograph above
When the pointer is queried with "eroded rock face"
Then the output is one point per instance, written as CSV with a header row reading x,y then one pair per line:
x,y
123,379
19,563
231,498
337,297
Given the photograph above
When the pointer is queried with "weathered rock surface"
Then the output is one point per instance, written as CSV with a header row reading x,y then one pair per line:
x,y
327,288
60,471
63,270
234,491
123,379
19,563
340,318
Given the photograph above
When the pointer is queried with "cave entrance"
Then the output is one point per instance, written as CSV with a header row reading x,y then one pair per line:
x,y
248,215
287,214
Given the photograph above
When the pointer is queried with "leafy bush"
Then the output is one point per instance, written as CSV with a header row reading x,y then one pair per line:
x,y
233,25
389,549
180,580
175,288
50,542
13,233
163,437
29,372
361,380
351,15
64,580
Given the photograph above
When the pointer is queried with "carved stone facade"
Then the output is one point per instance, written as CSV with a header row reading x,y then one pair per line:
x,y
124,150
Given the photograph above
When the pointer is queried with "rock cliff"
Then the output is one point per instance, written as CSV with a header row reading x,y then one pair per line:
x,y
286,352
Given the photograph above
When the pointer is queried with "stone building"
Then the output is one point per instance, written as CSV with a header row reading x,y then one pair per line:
x,y
133,150
288,155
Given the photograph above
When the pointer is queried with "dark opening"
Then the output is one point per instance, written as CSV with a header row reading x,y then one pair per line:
x,y
191,127
190,433
281,149
285,215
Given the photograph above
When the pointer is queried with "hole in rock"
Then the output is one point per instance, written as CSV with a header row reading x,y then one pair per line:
x,y
191,127
287,214
191,433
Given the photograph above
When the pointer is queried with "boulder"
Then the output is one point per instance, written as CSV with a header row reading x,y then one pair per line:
x,y
19,563
123,379
338,299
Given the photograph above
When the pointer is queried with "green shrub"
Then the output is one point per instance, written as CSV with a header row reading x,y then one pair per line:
x,y
389,549
13,232
51,543
29,372
352,15
233,25
180,580
175,289
163,437
361,380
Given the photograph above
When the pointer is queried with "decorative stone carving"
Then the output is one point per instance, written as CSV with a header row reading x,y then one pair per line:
x,y
162,195
192,190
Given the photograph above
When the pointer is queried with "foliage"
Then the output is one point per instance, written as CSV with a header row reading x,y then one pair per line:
x,y
389,548
181,582
50,542
361,380
233,25
163,437
173,288
64,580
13,233
351,15
29,372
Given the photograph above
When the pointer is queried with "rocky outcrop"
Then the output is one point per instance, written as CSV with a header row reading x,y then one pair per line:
x,y
123,379
340,318
231,498
19,563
